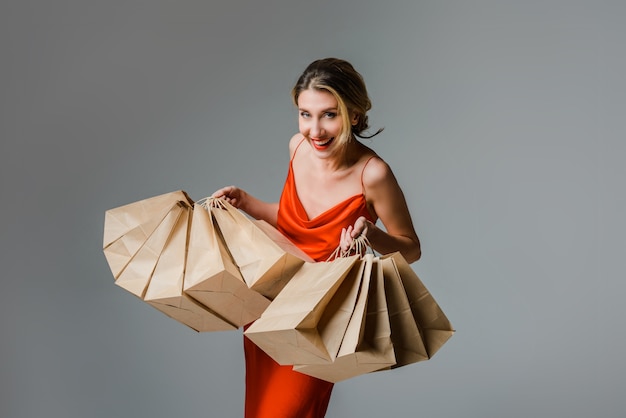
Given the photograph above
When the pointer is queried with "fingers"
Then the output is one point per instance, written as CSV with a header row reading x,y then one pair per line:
x,y
346,239
360,228
223,192
349,234
230,194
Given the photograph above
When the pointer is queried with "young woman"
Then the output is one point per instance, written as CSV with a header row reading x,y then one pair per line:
x,y
336,189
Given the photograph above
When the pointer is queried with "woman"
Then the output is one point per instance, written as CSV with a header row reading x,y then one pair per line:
x,y
336,189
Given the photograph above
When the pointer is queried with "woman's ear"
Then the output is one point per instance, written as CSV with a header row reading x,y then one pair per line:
x,y
354,118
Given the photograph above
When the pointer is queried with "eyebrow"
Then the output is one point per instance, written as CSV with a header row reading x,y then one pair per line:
x,y
330,109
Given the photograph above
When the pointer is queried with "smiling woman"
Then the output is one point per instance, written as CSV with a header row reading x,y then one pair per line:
x,y
320,120
336,190
346,85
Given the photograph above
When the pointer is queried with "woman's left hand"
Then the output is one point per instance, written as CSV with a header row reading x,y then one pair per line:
x,y
360,227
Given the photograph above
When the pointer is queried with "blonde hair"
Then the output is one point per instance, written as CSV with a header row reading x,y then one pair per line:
x,y
339,78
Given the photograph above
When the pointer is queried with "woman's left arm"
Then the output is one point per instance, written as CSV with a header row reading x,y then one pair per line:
x,y
384,195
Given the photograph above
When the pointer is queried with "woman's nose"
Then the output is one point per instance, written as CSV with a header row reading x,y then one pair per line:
x,y
315,129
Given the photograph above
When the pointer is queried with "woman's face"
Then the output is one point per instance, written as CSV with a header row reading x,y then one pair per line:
x,y
319,120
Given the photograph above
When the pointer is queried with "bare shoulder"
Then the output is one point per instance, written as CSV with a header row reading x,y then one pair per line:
x,y
377,173
293,143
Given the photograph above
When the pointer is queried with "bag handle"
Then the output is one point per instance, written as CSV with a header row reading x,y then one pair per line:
x,y
360,245
212,202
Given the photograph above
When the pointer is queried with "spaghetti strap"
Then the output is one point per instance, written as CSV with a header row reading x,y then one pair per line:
x,y
296,150
363,170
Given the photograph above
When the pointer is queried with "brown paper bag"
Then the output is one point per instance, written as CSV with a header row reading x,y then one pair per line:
x,y
165,288
213,279
366,344
137,273
297,327
413,313
407,340
266,264
432,323
126,228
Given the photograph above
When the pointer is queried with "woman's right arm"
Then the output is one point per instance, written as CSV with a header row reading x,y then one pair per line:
x,y
254,207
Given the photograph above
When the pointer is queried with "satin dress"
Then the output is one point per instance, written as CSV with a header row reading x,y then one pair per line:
x,y
272,390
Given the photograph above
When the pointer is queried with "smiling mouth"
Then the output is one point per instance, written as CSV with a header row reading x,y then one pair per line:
x,y
322,143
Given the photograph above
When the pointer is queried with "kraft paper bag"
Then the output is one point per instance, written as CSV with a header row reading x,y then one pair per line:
x,y
137,273
266,262
366,344
126,228
407,341
434,326
213,279
297,327
408,303
165,288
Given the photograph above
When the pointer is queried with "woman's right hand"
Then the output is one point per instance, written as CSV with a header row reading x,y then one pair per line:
x,y
232,194
254,207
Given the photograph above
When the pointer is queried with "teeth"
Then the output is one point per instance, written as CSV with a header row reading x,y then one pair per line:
x,y
322,143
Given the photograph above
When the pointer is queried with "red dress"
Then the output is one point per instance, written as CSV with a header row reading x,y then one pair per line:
x,y
272,390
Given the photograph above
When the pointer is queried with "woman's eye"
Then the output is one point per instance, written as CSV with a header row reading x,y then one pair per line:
x,y
330,115
304,114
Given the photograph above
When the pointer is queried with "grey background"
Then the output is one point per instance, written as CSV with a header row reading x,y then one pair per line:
x,y
504,126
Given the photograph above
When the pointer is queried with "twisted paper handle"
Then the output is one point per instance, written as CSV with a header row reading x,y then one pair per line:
x,y
359,245
212,202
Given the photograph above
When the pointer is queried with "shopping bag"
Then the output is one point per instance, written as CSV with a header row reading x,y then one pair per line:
x,y
434,326
301,325
418,326
211,276
126,228
165,288
266,259
366,345
136,274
